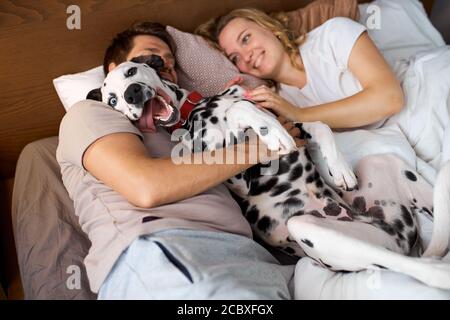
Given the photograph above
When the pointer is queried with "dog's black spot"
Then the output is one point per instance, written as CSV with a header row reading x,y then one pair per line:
x,y
294,193
359,204
308,243
229,181
214,120
377,202
412,238
308,166
427,211
310,178
303,133
252,215
319,183
224,93
411,176
296,172
332,209
203,132
415,200
206,114
257,189
315,213
266,224
293,157
406,215
175,90
327,193
289,250
95,94
283,167
370,185
376,212
307,155
298,213
384,226
291,202
345,219
398,224
279,189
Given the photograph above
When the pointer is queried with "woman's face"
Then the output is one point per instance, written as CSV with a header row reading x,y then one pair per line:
x,y
252,48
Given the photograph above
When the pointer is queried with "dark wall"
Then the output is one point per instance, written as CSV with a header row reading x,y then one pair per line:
x,y
440,17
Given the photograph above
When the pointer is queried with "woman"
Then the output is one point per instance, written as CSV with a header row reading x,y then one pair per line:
x,y
335,75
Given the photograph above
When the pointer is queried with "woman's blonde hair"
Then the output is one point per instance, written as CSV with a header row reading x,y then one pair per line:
x,y
211,29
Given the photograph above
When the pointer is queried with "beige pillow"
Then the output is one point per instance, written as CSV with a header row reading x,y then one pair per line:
x,y
305,19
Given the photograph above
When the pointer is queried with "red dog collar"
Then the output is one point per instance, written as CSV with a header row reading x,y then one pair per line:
x,y
191,101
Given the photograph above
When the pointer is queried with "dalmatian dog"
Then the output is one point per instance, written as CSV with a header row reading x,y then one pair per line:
x,y
341,223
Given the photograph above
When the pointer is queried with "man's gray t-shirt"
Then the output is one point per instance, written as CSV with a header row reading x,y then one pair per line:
x,y
110,221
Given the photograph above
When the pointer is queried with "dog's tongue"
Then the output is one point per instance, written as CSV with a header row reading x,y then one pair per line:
x,y
145,122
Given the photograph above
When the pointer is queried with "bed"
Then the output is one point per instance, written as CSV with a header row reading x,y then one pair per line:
x,y
49,242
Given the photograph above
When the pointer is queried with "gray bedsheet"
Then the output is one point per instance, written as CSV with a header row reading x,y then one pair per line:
x,y
49,241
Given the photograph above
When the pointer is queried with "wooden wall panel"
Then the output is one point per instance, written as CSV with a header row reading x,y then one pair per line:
x,y
37,47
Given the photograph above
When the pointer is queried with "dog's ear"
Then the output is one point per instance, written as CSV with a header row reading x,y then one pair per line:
x,y
154,61
95,94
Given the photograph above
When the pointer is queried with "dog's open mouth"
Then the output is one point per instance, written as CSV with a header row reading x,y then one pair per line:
x,y
158,110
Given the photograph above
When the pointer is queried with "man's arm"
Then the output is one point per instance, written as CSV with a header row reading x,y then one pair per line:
x,y
120,160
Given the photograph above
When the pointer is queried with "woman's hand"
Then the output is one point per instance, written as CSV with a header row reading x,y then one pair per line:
x,y
268,99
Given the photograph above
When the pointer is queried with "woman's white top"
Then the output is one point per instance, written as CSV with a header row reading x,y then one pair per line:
x,y
325,55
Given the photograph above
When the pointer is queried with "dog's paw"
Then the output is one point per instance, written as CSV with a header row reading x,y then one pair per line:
x,y
274,136
341,172
268,129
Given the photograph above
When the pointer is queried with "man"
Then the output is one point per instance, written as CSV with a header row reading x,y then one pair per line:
x,y
158,230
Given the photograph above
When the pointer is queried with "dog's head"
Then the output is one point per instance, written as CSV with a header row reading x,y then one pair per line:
x,y
135,88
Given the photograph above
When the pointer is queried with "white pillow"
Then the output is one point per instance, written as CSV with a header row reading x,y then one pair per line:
x,y
404,29
72,88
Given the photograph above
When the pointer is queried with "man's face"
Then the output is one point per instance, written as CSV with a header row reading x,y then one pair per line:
x,y
145,45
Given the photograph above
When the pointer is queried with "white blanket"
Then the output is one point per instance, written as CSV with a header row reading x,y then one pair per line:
x,y
419,134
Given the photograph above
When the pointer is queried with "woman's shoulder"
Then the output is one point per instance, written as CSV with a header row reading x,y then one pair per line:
x,y
331,32
334,27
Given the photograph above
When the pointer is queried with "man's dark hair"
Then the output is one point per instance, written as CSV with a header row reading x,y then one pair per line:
x,y
122,44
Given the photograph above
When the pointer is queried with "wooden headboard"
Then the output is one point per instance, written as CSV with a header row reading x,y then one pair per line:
x,y
37,47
